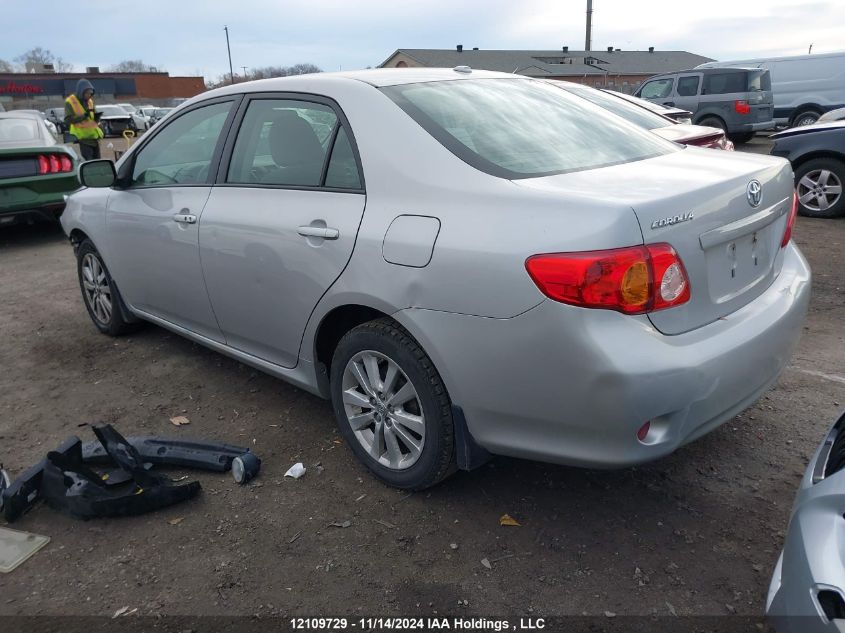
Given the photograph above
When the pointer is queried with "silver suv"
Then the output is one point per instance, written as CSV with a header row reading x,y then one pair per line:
x,y
737,100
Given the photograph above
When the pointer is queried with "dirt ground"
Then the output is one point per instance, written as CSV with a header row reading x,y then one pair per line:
x,y
696,533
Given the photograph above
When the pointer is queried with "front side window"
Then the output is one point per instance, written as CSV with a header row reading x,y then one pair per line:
x,y
286,142
520,128
688,86
181,153
657,89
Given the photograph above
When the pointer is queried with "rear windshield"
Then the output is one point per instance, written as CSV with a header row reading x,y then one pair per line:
x,y
13,130
520,128
631,112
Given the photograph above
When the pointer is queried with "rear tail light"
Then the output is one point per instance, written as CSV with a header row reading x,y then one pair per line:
x,y
741,106
790,221
631,280
54,164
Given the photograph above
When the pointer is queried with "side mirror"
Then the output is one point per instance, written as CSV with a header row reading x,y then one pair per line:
x,y
97,173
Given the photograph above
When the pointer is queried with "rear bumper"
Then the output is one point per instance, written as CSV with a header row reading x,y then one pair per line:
x,y
570,385
754,127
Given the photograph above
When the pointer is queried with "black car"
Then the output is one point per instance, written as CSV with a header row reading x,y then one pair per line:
x,y
817,154
57,117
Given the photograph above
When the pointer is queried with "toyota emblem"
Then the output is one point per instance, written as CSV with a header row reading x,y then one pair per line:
x,y
754,193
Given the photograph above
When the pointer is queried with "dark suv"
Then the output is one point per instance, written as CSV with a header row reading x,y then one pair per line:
x,y
737,100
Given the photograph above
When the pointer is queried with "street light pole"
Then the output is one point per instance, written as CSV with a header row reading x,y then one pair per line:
x,y
244,67
229,50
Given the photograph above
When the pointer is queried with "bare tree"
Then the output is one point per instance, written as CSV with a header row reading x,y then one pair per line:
x,y
62,66
35,57
6,67
133,66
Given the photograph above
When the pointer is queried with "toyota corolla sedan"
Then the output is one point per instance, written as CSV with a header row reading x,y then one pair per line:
x,y
807,592
466,263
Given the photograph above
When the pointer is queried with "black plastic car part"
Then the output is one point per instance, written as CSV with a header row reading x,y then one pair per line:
x,y
26,490
162,451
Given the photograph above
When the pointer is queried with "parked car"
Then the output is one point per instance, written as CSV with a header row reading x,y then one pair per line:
x,y
57,117
138,120
737,100
35,171
664,127
533,276
804,86
158,114
678,115
113,120
817,154
807,590
833,115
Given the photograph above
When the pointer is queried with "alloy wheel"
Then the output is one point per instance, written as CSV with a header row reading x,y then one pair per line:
x,y
97,290
819,190
383,409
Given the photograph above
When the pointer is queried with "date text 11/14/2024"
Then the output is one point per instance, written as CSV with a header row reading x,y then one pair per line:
x,y
417,624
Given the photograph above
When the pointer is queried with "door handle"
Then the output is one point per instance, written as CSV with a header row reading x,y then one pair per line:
x,y
318,231
185,218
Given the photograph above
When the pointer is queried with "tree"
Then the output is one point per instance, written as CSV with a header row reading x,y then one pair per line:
x,y
6,67
265,72
62,66
133,66
34,57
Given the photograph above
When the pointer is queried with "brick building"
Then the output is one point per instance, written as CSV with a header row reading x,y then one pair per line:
x,y
610,68
45,90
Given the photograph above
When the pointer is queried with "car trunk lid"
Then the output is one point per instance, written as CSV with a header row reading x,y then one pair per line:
x,y
698,201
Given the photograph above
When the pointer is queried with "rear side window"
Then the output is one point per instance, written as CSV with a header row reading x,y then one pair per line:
x,y
688,86
293,143
520,128
657,89
724,83
759,80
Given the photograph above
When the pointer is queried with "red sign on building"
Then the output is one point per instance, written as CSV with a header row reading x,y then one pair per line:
x,y
21,89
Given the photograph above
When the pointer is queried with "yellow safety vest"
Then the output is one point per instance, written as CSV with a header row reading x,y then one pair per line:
x,y
87,129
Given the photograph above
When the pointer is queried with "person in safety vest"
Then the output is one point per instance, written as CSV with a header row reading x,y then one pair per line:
x,y
81,120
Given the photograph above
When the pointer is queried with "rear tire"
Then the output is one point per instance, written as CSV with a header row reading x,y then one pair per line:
x,y
392,407
805,117
818,184
713,121
100,294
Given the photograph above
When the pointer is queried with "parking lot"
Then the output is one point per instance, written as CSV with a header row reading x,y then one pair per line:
x,y
696,533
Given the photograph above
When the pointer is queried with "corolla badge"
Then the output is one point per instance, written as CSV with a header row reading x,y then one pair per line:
x,y
754,193
675,219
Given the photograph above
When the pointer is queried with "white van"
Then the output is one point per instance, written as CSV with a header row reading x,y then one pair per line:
x,y
804,86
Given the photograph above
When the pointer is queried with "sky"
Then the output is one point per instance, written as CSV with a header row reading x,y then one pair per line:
x,y
185,37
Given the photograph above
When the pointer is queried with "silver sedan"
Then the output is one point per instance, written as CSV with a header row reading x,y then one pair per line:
x,y
466,263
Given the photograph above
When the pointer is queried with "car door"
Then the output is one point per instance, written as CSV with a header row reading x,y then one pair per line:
x,y
687,88
281,222
152,220
658,90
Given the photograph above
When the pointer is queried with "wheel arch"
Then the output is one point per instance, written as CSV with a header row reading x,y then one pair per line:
x,y
710,115
812,155
804,107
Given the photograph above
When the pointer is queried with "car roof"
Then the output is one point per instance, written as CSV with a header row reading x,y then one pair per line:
x,y
378,77
20,114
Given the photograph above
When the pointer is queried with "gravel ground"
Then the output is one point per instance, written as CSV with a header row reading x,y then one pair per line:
x,y
696,533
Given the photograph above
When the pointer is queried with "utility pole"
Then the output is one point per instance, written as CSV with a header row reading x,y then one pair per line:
x,y
229,50
589,40
810,52
244,67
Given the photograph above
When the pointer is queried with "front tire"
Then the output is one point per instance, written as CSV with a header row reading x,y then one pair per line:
x,y
818,184
99,292
392,407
